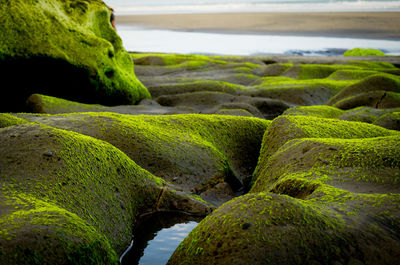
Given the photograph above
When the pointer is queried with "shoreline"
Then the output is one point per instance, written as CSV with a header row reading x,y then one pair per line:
x,y
370,25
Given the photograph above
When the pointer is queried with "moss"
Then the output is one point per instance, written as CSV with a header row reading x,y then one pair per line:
x,y
315,71
101,187
384,82
7,120
77,242
363,52
192,151
337,162
320,220
366,114
70,45
389,120
46,104
257,227
196,86
286,128
234,112
376,99
321,111
352,74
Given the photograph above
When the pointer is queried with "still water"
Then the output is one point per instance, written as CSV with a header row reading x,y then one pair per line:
x,y
157,237
166,41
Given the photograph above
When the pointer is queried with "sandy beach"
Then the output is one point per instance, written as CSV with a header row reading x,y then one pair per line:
x,y
376,25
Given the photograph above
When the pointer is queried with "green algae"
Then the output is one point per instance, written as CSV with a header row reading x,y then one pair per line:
x,y
7,120
389,120
363,52
333,161
78,241
46,104
82,182
320,111
200,149
286,128
74,44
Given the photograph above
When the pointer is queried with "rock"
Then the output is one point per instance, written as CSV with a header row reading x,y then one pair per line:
x,y
302,210
234,112
373,83
320,111
7,120
375,99
389,121
366,114
194,152
37,103
77,205
66,49
286,128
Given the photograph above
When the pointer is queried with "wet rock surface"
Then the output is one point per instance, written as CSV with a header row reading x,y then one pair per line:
x,y
298,155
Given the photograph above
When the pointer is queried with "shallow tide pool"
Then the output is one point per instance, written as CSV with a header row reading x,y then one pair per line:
x,y
157,238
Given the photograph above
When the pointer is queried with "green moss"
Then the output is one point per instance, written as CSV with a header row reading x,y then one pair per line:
x,y
317,71
363,52
332,161
7,120
286,128
366,114
234,112
389,120
47,104
68,45
194,150
78,241
352,74
319,221
321,111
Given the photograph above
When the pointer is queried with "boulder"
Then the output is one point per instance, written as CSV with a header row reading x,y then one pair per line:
x,y
389,121
66,49
67,198
193,152
379,82
319,200
286,128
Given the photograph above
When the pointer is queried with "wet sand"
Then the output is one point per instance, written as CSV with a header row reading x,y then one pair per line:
x,y
376,25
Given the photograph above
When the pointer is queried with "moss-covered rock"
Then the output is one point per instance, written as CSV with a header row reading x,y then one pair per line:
x,y
67,49
363,52
367,165
389,121
360,114
379,82
366,114
67,198
318,201
286,128
376,99
234,112
194,152
320,111
7,120
38,103
263,228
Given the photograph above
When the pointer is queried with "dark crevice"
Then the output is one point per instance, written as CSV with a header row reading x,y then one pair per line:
x,y
268,62
380,101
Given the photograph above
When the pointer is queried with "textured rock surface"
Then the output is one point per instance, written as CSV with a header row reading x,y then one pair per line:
x,y
194,152
315,201
64,48
67,198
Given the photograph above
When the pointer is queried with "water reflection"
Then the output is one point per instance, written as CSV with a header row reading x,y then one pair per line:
x,y
156,238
